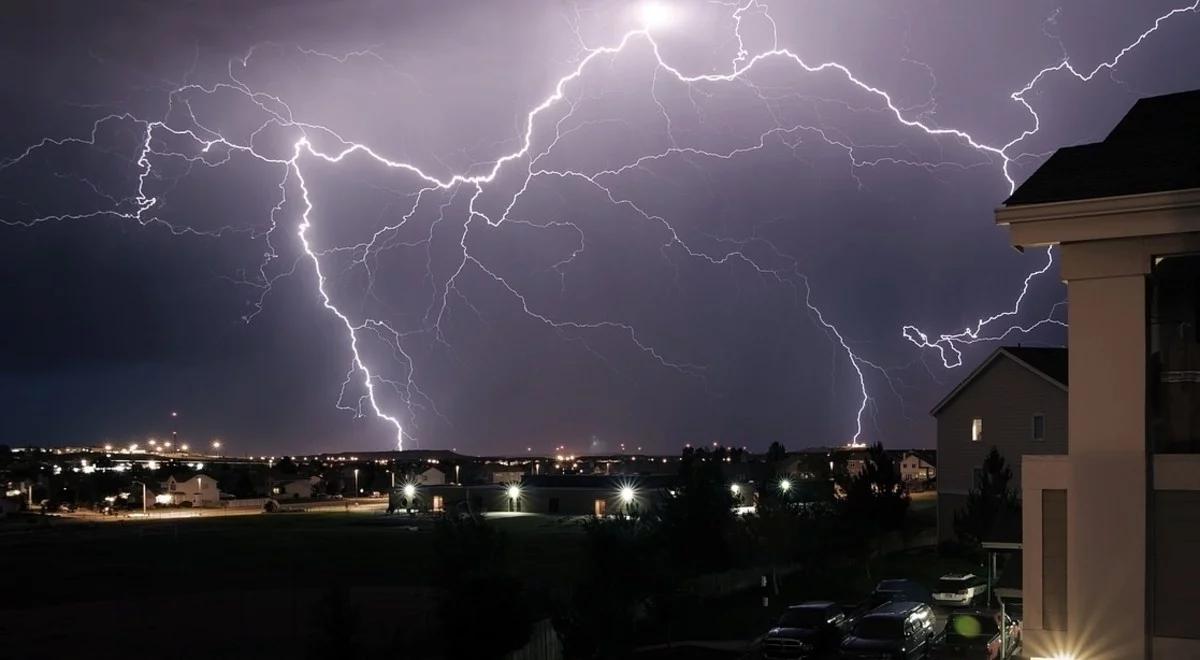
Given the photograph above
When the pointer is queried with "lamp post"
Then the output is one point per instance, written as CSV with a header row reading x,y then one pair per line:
x,y
514,497
410,491
627,496
143,485
356,482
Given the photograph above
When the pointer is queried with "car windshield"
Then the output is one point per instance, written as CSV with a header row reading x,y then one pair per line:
x,y
879,627
971,628
802,618
950,585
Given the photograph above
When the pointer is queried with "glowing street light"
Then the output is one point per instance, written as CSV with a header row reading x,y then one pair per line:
x,y
627,494
356,482
735,489
216,444
785,485
183,447
410,491
514,492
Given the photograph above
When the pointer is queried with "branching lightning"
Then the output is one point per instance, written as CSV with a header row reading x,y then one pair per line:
x,y
180,136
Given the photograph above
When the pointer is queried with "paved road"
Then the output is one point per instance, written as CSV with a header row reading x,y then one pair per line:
x,y
357,505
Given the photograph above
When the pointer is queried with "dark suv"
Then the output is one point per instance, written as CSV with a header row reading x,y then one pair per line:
x,y
809,630
894,591
979,635
896,631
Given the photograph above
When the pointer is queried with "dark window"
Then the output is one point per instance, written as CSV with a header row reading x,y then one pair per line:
x,y
803,617
880,627
1054,560
1173,378
1173,563
1039,428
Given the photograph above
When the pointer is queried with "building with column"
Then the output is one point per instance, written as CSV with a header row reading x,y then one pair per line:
x,y
1111,527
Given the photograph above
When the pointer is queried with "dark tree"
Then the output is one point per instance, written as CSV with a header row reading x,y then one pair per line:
x,y
776,452
698,524
484,612
628,572
989,503
334,629
876,496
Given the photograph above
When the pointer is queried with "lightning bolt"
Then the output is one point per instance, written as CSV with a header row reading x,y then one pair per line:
x,y
179,136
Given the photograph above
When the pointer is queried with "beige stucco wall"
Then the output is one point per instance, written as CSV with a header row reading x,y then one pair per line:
x,y
1106,504
1106,474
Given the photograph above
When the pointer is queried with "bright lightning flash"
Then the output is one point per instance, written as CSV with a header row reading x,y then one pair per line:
x,y
656,15
181,136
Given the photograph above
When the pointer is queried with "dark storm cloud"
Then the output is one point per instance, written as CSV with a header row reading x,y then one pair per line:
x,y
109,325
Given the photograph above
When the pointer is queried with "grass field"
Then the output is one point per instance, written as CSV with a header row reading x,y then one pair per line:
x,y
243,586
67,562
260,579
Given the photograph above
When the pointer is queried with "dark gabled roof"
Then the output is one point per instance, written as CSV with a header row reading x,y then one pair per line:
x,y
927,455
1049,363
1154,148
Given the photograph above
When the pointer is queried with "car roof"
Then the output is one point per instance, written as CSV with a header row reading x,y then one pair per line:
x,y
813,605
895,582
958,576
896,609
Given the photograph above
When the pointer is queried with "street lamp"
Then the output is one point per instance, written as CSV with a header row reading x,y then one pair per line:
x,y
785,485
627,495
735,489
216,444
356,482
514,497
143,485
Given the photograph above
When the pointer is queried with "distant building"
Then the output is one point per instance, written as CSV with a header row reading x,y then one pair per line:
x,y
1015,401
575,495
918,466
431,477
1110,521
296,488
199,490
507,476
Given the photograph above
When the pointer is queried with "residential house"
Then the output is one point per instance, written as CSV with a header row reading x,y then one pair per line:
x,y
198,490
918,466
1110,523
299,488
431,477
1015,401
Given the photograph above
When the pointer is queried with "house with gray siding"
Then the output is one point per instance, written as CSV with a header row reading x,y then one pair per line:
x,y
1016,401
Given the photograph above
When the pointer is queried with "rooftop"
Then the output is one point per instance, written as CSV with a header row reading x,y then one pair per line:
x,y
1049,363
1154,148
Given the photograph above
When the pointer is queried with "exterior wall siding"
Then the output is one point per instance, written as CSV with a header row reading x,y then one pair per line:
x,y
1006,395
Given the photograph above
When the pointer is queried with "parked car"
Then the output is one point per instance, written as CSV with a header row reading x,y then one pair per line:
x,y
960,589
896,630
978,635
66,507
890,591
808,630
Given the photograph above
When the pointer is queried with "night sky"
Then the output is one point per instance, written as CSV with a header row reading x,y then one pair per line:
x,y
656,305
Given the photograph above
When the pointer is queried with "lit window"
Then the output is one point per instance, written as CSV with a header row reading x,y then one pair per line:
x,y
976,429
1039,428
